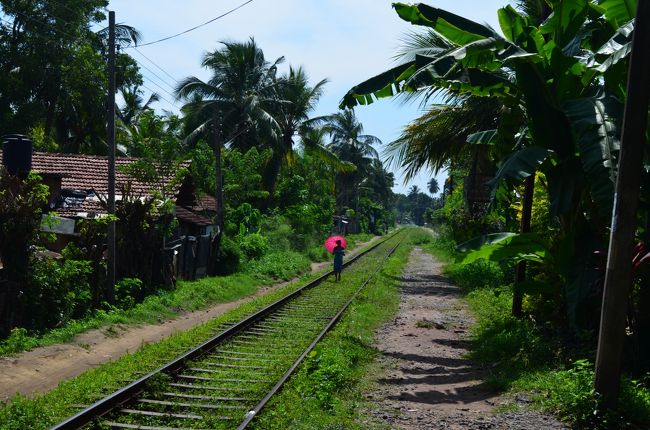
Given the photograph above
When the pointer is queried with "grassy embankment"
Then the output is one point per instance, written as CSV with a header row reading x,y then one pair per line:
x,y
535,359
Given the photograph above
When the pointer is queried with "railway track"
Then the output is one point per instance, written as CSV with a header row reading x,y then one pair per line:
x,y
226,381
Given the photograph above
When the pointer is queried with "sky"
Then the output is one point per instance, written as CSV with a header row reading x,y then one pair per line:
x,y
345,41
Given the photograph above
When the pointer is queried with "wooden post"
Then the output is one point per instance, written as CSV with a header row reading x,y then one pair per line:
x,y
520,274
110,121
619,276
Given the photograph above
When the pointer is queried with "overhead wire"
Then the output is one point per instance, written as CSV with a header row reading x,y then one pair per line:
x,y
193,28
154,63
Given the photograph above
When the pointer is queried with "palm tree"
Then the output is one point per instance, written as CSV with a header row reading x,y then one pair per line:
x,y
235,96
433,186
295,100
350,144
241,88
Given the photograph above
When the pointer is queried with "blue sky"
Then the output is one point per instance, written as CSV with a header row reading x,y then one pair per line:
x,y
345,41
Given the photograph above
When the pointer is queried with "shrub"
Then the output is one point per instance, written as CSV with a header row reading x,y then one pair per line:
x,y
317,253
253,245
229,258
478,274
279,265
126,292
278,231
60,291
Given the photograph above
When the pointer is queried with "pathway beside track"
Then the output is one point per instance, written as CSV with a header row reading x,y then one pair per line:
x,y
427,381
41,370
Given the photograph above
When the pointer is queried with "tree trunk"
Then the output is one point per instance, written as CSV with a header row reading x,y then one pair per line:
x,y
520,275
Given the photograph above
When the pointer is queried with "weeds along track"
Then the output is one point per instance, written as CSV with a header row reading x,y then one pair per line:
x,y
225,382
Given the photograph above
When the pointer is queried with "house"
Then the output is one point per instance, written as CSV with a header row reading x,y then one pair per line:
x,y
78,187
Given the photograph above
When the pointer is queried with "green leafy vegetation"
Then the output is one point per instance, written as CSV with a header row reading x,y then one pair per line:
x,y
537,359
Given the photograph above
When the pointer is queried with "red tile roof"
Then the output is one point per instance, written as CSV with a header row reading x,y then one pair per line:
x,y
187,215
90,172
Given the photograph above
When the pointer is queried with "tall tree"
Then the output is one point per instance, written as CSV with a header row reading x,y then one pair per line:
x,y
239,92
295,100
433,186
52,71
350,144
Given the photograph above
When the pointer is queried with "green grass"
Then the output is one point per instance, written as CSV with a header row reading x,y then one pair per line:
x,y
186,297
327,392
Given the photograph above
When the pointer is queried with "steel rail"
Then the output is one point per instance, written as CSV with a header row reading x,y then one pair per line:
x,y
125,394
256,410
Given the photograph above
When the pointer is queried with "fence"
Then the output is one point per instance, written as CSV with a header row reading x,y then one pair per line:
x,y
189,256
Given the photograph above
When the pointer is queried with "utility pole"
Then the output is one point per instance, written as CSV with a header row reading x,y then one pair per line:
x,y
110,121
218,171
619,276
218,195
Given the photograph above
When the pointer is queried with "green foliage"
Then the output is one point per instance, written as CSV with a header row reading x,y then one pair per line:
x,y
18,340
570,394
477,274
59,291
331,371
279,265
21,209
421,237
505,246
279,232
230,256
56,51
126,290
253,245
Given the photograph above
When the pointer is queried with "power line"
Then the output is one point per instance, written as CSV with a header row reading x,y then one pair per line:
x,y
173,97
154,73
152,62
154,92
194,28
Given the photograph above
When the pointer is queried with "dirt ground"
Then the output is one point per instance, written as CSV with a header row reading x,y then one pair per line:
x,y
427,382
41,369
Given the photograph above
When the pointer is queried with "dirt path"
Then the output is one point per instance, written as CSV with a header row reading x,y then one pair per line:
x,y
41,369
427,381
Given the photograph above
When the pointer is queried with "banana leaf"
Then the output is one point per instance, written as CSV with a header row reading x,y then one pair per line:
x,y
594,121
454,27
618,12
507,246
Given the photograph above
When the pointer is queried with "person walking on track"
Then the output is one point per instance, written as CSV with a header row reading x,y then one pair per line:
x,y
338,260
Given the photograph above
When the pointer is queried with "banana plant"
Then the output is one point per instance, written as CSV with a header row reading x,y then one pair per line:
x,y
566,74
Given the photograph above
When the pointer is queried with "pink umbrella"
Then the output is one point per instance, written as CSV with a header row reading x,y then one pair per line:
x,y
330,243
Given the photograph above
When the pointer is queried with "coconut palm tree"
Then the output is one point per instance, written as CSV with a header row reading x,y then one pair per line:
x,y
239,92
433,186
295,100
350,144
